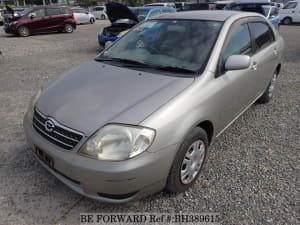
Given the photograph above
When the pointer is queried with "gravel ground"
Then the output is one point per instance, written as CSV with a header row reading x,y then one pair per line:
x,y
251,175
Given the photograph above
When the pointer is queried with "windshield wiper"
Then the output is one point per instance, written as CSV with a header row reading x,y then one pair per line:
x,y
175,69
133,63
126,61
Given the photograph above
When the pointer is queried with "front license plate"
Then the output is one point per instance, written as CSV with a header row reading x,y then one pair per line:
x,y
44,157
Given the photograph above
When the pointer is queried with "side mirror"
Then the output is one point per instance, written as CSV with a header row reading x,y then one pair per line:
x,y
31,16
237,62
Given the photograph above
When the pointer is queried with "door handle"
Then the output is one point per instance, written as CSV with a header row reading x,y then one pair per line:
x,y
254,66
293,11
275,52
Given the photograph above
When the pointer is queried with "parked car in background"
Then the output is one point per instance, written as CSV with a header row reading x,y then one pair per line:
x,y
123,18
248,6
261,7
99,12
145,13
162,4
219,5
188,6
41,19
140,117
290,13
272,13
83,16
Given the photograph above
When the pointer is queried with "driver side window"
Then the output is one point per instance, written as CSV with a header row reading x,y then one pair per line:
x,y
239,42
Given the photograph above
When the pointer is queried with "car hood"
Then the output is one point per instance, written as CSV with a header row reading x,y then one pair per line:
x,y
95,94
116,11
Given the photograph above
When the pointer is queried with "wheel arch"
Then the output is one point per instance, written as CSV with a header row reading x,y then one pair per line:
x,y
208,127
288,17
278,68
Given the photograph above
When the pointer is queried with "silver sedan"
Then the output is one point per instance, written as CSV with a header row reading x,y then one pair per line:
x,y
140,117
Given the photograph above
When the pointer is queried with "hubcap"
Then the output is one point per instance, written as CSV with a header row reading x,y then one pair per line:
x,y
272,85
192,162
23,31
68,28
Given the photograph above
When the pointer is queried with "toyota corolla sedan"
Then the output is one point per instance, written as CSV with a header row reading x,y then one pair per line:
x,y
140,117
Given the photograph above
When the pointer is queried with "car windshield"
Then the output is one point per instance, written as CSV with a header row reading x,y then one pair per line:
x,y
181,44
25,11
140,13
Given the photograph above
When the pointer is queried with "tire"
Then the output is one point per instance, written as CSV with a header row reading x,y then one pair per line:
x,y
92,20
268,94
23,31
287,21
69,28
103,17
188,161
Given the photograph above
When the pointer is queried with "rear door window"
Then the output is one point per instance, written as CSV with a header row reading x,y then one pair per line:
x,y
262,34
38,13
53,11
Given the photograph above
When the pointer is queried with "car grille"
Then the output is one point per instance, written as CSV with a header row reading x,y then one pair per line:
x,y
55,132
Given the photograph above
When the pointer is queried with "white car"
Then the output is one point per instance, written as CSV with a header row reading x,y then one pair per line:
x,y
83,16
99,12
290,13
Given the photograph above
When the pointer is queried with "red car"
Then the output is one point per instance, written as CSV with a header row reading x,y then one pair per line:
x,y
41,19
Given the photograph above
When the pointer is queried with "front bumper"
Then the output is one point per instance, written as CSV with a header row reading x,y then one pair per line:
x,y
113,182
10,29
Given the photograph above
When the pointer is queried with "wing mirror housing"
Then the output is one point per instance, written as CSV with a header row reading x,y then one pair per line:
x,y
237,62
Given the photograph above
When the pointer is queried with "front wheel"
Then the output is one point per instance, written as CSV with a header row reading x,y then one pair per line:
x,y
69,28
92,20
23,31
287,21
188,161
268,94
102,17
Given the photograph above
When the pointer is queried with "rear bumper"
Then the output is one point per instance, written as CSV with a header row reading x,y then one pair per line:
x,y
114,182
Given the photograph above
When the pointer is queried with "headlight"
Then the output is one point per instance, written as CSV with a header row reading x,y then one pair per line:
x,y
32,103
116,142
13,23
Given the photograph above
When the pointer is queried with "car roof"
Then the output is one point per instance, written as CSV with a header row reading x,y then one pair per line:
x,y
214,15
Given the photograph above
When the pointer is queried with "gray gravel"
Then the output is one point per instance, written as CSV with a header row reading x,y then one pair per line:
x,y
252,171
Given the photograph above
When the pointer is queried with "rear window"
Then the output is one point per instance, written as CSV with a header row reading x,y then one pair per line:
x,y
52,11
66,11
98,9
